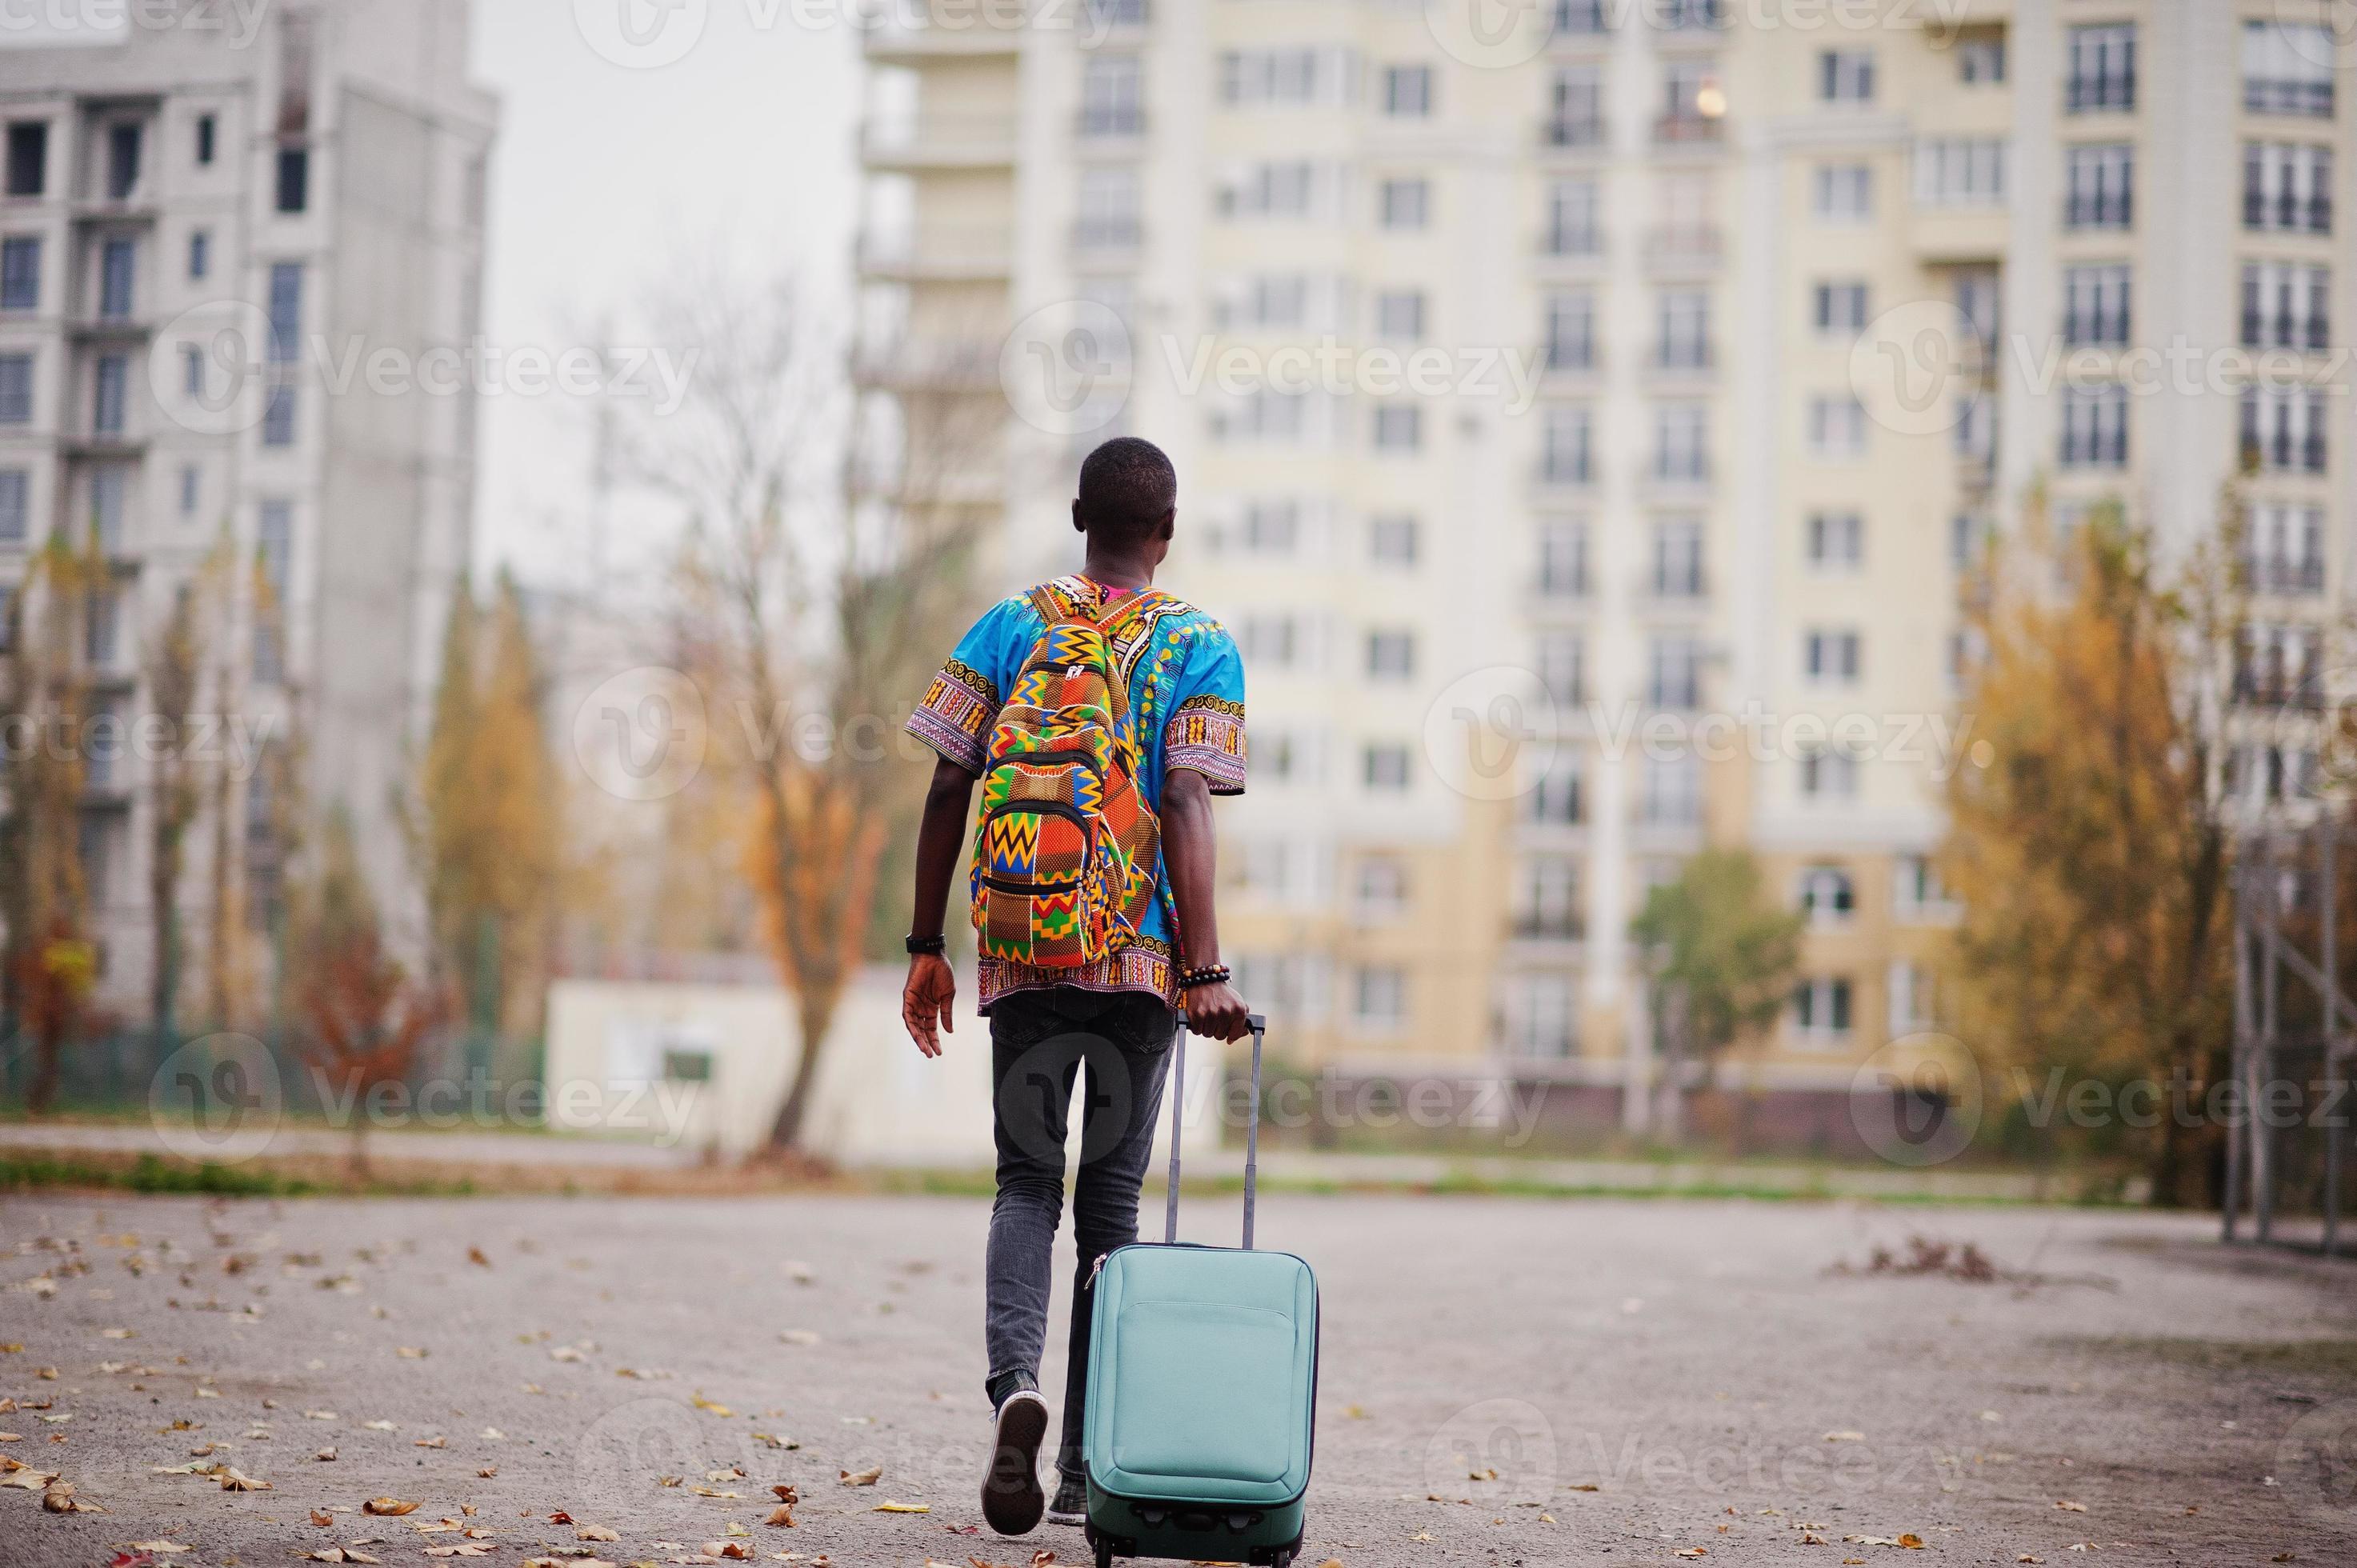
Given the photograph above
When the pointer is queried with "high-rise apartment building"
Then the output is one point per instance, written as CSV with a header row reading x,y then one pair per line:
x,y
243,251
1640,383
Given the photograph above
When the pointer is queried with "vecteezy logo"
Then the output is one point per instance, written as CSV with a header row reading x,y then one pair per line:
x,y
1491,735
1066,367
2316,1463
206,367
642,1443
640,35
217,1099
2323,35
1491,35
1918,1101
1502,1448
1917,367
640,735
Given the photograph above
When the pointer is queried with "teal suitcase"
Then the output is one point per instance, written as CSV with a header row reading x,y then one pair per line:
x,y
1202,1402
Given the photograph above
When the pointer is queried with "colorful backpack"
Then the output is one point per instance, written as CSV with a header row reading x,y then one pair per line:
x,y
1066,853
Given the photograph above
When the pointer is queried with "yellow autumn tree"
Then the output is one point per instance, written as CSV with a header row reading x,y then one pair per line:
x,y
488,821
2087,842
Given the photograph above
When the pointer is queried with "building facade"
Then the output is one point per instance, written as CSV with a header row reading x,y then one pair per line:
x,y
244,263
1592,431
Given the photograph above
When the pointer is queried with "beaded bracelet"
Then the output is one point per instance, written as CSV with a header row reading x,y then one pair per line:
x,y
1209,974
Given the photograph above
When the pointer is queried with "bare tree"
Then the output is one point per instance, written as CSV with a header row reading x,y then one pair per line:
x,y
829,546
176,666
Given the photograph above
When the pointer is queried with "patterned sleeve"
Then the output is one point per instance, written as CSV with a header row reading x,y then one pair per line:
x,y
962,703
1206,731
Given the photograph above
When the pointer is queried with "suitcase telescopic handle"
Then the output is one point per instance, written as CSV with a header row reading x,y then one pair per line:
x,y
1259,1026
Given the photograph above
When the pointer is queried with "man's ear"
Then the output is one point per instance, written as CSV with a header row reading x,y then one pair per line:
x,y
1079,525
1168,526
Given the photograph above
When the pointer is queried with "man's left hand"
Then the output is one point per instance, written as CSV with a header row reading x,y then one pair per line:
x,y
1217,1012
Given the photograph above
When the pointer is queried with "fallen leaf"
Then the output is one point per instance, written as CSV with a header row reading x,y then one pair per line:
x,y
325,1457
700,1403
1690,1551
431,1442
388,1508
729,1550
867,1477
234,1480
901,1508
1844,1436
786,1495
475,1255
164,1547
58,1497
2070,1507
1481,1475
1583,1487
1911,1541
783,1515
595,1532
465,1551
322,1518
488,1471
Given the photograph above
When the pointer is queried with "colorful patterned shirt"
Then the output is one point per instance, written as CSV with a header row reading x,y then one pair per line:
x,y
1186,684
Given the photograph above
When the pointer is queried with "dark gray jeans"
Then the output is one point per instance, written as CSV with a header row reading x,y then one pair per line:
x,y
1039,1040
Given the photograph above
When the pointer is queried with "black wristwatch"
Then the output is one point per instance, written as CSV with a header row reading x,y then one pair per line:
x,y
928,944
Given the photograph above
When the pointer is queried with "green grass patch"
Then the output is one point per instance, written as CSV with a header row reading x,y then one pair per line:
x,y
2330,1358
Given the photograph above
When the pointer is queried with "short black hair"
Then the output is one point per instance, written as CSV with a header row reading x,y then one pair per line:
x,y
1127,488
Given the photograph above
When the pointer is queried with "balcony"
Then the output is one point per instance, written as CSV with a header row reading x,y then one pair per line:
x,y
1683,247
930,365
2105,91
2102,211
1563,242
1549,926
976,33
1569,358
2286,213
2268,688
938,141
1110,123
1689,130
2310,333
1103,234
1682,357
1585,134
951,255
2279,95
2281,577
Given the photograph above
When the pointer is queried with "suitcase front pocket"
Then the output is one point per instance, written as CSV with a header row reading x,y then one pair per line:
x,y
1205,1391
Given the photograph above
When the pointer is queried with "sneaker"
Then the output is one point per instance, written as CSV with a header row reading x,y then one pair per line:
x,y
1011,1499
1071,1504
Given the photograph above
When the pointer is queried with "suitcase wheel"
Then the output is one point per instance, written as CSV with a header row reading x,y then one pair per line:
x,y
1099,1544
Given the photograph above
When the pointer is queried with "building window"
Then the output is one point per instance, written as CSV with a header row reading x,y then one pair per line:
x,y
1827,896
1541,1022
201,253
1571,330
1838,427
1844,193
1399,427
1571,227
278,416
2094,427
2101,186
117,263
1289,77
274,550
285,312
28,157
122,141
1384,766
293,184
2287,306
1911,1005
1682,443
1674,674
2103,68
1287,188
110,392
2287,68
1563,667
1672,790
1405,203
2283,429
1392,540
1556,793
1916,893
1113,101
1981,61
1836,541
1960,171
20,273
1692,102
1830,658
2283,553
2287,188
1681,317
1562,560
1391,655
110,487
1547,903
15,505
1576,107
1840,308
1108,208
1399,315
1272,641
15,388
1845,76
1382,887
208,130
1677,559
1380,999
191,487
1566,454
1821,1010
1828,775
1407,91
2095,303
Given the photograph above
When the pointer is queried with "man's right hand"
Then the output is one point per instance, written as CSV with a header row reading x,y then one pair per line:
x,y
929,997
1217,1012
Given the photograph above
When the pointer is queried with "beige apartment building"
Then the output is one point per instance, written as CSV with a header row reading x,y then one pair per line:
x,y
1628,396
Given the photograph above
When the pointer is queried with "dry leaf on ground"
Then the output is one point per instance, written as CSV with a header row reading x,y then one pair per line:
x,y
867,1477
388,1508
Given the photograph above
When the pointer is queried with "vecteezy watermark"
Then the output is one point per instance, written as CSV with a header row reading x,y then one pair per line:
x,y
1918,1100
2316,1463
641,735
644,1445
1330,366
84,22
212,367
1917,367
1506,1441
640,35
235,742
1492,733
1497,35
2319,35
1066,367
217,1099
645,35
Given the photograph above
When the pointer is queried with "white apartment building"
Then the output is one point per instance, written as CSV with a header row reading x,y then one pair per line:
x,y
1705,230
207,212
